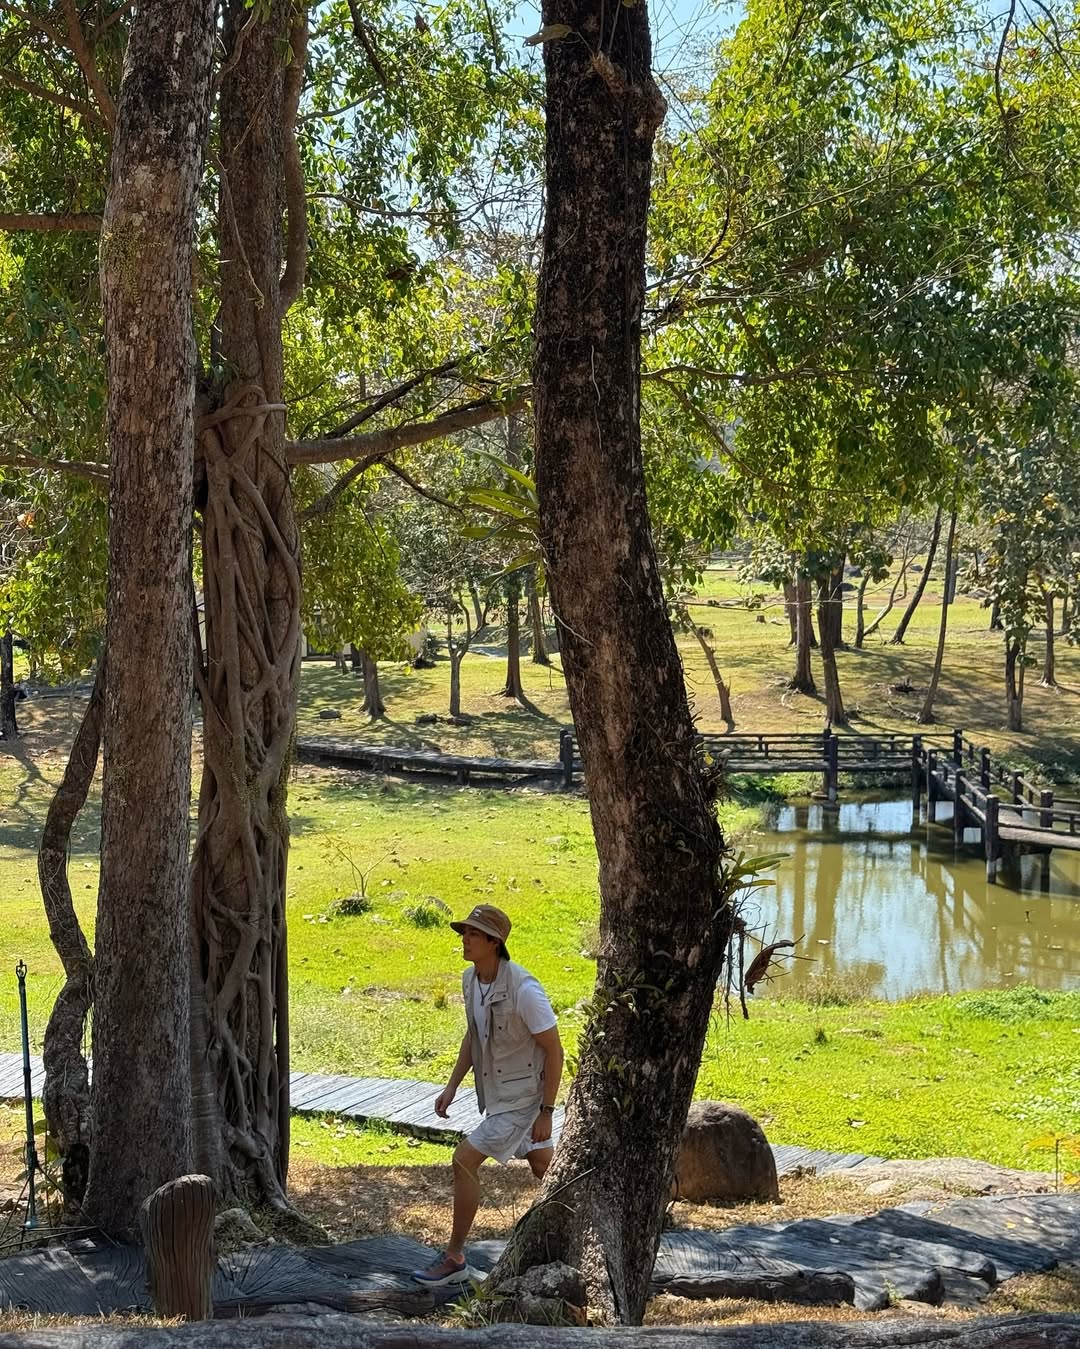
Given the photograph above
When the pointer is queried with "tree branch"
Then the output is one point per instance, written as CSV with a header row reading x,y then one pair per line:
x,y
51,96
97,473
76,40
51,224
33,21
296,242
375,445
391,396
364,39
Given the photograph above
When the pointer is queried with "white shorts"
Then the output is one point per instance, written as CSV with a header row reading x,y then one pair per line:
x,y
508,1134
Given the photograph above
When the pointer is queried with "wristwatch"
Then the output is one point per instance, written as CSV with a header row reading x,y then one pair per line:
x,y
547,1110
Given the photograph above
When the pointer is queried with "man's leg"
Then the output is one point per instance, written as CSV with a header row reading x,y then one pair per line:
x,y
539,1160
467,1163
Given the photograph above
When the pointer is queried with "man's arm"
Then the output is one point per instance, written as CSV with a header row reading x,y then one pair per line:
x,y
549,1042
461,1067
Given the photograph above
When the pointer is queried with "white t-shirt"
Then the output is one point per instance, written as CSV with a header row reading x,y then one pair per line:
x,y
533,1006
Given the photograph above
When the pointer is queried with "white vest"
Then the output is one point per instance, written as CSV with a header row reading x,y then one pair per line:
x,y
508,1064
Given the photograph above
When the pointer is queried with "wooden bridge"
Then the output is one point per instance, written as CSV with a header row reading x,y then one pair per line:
x,y
993,798
986,794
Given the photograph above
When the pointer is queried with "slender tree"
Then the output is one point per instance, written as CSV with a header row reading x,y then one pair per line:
x,y
664,926
920,590
142,1086
926,712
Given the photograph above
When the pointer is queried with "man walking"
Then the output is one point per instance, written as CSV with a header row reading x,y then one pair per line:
x,y
512,1046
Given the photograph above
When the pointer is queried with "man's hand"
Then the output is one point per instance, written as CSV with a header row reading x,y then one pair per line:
x,y
443,1102
541,1130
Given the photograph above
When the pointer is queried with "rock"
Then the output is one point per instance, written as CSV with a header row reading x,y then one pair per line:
x,y
329,714
544,1295
848,588
427,719
724,1155
949,1175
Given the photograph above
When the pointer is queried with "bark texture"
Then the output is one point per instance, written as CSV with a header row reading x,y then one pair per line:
x,y
664,925
66,1095
247,677
1014,683
920,589
142,1085
9,729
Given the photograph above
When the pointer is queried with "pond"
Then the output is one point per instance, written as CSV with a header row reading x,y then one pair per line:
x,y
884,903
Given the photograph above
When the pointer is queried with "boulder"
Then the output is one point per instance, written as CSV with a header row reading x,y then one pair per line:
x,y
724,1155
329,714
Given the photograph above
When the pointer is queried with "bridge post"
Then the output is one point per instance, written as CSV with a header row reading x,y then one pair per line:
x,y
566,756
990,836
832,766
1016,779
958,810
931,785
916,774
1046,809
984,769
957,746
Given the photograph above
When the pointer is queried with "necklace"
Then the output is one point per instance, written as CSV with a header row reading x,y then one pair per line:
x,y
484,992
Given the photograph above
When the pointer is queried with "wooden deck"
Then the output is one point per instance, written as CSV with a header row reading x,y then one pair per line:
x,y
406,1105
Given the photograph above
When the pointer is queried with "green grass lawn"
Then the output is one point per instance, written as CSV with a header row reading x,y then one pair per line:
x,y
753,653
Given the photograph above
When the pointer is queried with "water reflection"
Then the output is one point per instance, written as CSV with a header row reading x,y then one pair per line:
x,y
875,896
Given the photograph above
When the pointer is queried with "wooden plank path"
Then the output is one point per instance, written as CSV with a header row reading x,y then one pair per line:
x,y
407,1105
954,1252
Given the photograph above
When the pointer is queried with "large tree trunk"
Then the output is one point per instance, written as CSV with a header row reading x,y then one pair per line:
x,y
926,712
9,729
664,922
536,624
456,658
142,1083
247,677
835,607
66,1095
860,611
803,678
1014,683
512,688
920,589
374,707
834,703
1049,677
791,608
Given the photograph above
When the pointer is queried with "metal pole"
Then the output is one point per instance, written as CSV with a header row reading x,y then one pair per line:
x,y
28,1100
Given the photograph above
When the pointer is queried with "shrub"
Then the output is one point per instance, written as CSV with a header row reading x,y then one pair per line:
x,y
350,906
425,913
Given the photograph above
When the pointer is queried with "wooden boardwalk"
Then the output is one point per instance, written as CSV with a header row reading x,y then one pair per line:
x,y
406,1105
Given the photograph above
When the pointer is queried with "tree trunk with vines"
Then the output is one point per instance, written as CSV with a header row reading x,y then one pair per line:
x,y
247,676
664,925
141,1109
66,1095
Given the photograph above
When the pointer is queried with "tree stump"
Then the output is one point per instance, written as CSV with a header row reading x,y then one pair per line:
x,y
178,1229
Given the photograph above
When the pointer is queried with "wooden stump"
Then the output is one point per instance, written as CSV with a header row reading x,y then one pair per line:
x,y
178,1229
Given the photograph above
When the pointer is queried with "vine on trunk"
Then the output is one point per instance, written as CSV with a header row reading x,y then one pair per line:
x,y
246,678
